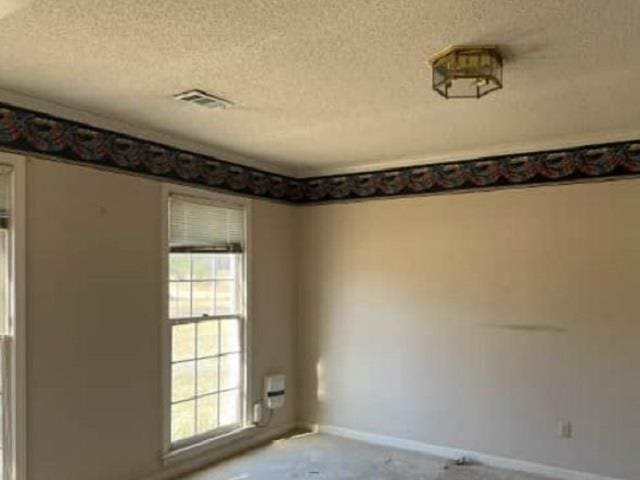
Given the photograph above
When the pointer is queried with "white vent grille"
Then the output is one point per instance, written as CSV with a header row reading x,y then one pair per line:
x,y
203,99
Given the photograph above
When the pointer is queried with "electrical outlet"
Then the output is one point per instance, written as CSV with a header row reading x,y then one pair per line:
x,y
257,413
565,429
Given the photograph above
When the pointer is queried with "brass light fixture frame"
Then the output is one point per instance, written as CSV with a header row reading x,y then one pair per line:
x,y
453,65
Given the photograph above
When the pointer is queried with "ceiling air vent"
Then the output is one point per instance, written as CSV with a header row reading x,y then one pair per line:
x,y
204,99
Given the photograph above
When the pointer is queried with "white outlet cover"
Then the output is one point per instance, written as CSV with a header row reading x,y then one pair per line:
x,y
566,429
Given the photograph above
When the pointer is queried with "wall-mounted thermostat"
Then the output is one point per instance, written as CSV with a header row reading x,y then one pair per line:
x,y
274,391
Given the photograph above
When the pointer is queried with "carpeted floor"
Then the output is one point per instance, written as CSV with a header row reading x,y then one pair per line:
x,y
325,457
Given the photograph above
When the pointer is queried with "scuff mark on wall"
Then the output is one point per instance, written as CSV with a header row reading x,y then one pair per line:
x,y
534,328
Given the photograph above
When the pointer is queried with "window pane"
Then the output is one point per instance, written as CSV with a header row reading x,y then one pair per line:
x,y
183,383
208,338
183,342
225,266
207,376
207,413
229,408
229,371
225,297
179,300
179,266
230,336
5,291
203,294
183,420
203,266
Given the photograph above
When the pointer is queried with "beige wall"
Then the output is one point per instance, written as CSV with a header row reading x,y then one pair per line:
x,y
94,310
479,321
476,321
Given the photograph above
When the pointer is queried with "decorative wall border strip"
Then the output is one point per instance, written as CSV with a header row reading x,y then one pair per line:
x,y
39,133
43,134
590,162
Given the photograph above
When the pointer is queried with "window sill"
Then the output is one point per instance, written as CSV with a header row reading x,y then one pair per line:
x,y
191,451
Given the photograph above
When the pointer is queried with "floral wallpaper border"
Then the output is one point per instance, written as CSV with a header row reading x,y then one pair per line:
x,y
39,133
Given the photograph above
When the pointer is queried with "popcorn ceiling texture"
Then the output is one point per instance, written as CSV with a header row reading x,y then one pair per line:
x,y
330,86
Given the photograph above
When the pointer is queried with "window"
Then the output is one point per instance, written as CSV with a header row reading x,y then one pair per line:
x,y
207,319
6,337
11,437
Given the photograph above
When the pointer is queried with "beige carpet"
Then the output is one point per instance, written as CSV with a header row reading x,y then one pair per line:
x,y
325,457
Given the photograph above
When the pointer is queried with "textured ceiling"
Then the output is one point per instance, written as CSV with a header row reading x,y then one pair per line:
x,y
328,86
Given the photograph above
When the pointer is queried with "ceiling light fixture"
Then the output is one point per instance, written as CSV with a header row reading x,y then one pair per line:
x,y
467,71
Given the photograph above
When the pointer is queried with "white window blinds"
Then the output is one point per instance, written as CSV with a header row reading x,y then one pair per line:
x,y
198,226
5,195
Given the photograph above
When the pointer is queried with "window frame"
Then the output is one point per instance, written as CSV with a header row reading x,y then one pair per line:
x,y
202,441
17,273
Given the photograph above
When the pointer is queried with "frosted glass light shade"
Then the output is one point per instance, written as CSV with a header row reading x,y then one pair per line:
x,y
467,72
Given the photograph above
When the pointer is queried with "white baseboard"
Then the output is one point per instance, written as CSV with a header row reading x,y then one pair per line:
x,y
192,464
452,453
